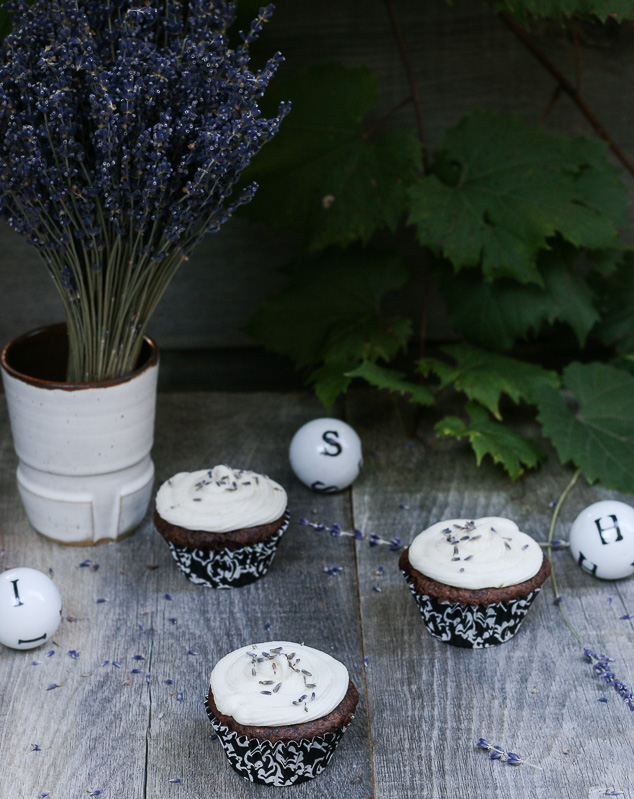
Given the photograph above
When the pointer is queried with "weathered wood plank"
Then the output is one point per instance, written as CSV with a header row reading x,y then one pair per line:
x,y
429,703
131,740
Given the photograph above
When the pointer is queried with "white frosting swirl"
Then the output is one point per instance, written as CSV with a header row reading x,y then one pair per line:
x,y
485,553
220,500
277,683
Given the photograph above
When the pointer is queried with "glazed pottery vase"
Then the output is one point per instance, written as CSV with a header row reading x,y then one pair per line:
x,y
85,474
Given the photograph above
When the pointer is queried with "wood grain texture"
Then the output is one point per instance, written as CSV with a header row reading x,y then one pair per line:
x,y
423,704
430,702
463,57
131,740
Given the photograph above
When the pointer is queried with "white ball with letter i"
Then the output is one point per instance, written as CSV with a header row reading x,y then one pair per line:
x,y
30,608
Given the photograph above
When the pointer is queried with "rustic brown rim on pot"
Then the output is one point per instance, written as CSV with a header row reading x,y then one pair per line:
x,y
50,359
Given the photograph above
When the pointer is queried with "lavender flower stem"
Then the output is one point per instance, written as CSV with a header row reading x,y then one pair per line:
x,y
551,531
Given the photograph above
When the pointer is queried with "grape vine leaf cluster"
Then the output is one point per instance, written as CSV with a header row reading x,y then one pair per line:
x,y
496,314
501,189
485,376
524,226
328,176
329,318
507,447
592,426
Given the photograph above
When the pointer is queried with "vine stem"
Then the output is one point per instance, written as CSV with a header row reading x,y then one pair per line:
x,y
551,530
398,34
567,87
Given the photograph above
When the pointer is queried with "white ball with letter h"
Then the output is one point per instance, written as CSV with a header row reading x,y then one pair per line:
x,y
326,455
602,539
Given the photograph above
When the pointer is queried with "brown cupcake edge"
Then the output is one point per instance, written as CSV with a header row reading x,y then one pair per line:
x,y
338,718
468,596
202,539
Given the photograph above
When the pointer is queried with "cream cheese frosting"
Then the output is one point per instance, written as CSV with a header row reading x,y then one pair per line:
x,y
220,500
277,683
483,553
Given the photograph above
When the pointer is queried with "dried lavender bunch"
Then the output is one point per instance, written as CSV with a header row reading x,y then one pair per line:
x,y
124,126
601,667
373,539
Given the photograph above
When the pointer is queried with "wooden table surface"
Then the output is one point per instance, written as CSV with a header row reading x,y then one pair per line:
x,y
423,704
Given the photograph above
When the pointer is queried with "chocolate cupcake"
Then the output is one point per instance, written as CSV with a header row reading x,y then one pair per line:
x,y
222,525
279,710
474,581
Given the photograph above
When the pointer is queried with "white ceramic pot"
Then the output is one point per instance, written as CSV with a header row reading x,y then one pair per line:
x,y
85,474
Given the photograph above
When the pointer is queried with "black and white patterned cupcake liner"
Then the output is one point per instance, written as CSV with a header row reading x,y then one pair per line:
x,y
228,568
281,763
472,626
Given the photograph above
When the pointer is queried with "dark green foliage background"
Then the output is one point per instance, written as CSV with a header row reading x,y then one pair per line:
x,y
522,231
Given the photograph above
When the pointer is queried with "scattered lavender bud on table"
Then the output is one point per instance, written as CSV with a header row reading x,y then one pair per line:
x,y
602,668
373,539
499,753
333,570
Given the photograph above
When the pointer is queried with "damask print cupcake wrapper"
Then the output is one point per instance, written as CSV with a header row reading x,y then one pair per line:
x,y
282,763
472,626
228,568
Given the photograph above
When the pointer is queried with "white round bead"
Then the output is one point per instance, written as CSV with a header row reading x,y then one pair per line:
x,y
602,539
326,455
30,608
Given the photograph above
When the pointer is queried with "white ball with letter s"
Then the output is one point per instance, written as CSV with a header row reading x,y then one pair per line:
x,y
326,455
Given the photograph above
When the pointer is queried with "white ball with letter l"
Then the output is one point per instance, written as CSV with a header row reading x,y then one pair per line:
x,y
30,608
326,455
602,539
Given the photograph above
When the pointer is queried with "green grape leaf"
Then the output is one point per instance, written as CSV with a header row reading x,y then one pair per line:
x,y
484,376
330,310
329,381
597,433
495,315
616,328
507,447
555,9
380,377
500,189
323,174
